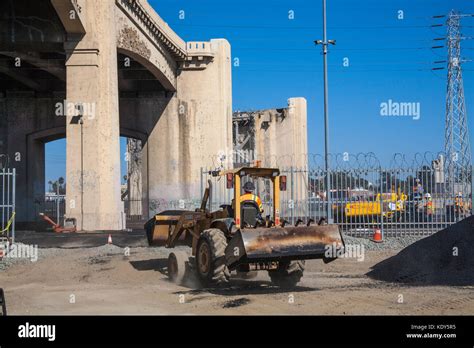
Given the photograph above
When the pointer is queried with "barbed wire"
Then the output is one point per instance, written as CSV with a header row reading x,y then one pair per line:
x,y
337,161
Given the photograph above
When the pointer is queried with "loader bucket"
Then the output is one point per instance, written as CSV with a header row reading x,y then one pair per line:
x,y
290,243
158,227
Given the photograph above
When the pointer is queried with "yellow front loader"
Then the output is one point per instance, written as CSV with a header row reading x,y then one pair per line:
x,y
237,238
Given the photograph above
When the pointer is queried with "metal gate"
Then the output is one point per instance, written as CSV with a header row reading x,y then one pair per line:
x,y
7,203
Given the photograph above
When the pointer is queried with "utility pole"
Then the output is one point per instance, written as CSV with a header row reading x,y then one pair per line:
x,y
325,42
457,144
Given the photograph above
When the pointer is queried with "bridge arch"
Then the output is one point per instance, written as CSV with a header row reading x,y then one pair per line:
x,y
137,43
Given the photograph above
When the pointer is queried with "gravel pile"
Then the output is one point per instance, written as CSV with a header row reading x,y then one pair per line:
x,y
8,260
389,243
5,263
444,258
103,250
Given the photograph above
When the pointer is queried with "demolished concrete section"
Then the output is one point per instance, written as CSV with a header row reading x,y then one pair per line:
x,y
276,138
273,136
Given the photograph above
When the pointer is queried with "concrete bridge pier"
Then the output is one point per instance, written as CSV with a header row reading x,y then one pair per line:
x,y
92,125
193,130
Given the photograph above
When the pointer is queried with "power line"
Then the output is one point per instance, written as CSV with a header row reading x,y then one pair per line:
x,y
365,64
345,70
297,27
336,49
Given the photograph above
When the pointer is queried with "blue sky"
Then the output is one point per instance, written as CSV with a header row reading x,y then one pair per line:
x,y
389,58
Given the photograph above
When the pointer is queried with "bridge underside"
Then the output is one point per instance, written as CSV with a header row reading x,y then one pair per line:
x,y
91,87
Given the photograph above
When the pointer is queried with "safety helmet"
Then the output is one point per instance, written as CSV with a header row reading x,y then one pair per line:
x,y
249,186
417,180
459,194
427,195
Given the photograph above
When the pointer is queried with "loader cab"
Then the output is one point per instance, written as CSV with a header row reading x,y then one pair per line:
x,y
247,213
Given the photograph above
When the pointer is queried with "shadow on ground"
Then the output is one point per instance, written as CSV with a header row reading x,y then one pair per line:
x,y
82,240
236,286
160,265
246,287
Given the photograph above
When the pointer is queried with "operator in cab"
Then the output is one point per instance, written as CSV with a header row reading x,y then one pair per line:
x,y
250,196
249,189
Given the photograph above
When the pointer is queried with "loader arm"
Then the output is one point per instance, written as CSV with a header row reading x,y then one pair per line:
x,y
186,222
207,195
204,200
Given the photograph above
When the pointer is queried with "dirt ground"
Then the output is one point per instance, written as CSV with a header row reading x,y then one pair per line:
x,y
102,280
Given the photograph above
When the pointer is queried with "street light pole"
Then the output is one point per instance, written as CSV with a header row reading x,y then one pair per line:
x,y
325,42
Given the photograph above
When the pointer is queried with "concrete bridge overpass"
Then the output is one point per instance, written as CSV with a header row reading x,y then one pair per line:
x,y
91,71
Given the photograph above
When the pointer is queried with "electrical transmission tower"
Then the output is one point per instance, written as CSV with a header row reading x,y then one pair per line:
x,y
457,144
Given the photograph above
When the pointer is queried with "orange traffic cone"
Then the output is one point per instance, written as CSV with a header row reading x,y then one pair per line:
x,y
377,237
109,241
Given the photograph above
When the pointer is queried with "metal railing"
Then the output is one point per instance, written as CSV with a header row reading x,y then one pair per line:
x,y
404,197
7,203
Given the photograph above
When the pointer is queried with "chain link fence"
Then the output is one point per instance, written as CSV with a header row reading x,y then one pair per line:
x,y
408,196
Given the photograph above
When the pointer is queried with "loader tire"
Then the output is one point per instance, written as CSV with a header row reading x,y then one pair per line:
x,y
210,257
288,274
177,263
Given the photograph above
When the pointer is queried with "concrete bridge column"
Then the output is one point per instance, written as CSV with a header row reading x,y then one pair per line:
x,y
92,126
198,124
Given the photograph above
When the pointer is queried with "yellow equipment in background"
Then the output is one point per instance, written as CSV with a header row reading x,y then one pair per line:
x,y
387,205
